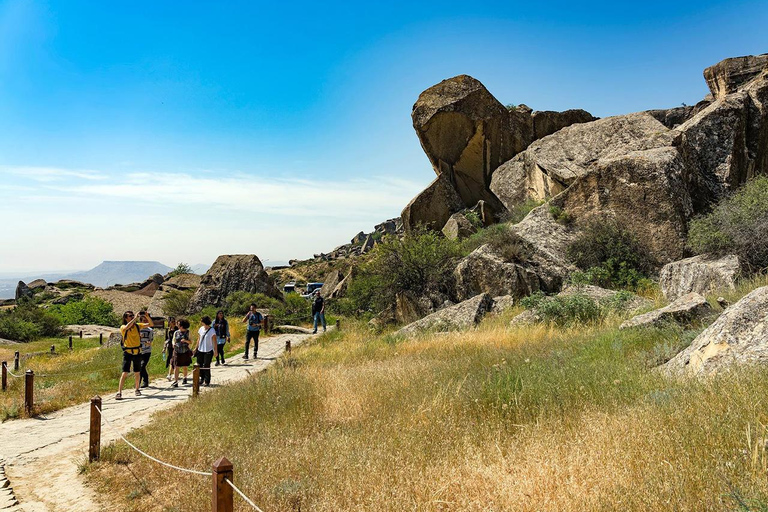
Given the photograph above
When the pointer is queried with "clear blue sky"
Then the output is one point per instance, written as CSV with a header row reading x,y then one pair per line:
x,y
283,128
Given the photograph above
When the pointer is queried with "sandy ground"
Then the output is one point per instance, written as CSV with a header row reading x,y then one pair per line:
x,y
40,455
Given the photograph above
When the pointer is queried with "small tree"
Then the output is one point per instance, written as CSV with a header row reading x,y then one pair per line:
x,y
181,268
176,302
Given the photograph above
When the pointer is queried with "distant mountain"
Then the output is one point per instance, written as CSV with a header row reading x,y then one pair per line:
x,y
109,273
200,268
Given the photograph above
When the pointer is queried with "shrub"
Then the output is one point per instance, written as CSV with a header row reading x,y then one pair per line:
x,y
560,215
90,310
176,302
474,219
294,311
28,322
502,240
14,328
737,225
610,255
181,268
238,303
520,211
563,310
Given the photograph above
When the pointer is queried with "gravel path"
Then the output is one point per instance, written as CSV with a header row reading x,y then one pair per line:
x,y
40,455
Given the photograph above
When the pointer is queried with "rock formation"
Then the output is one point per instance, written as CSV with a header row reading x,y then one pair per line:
x,y
700,274
457,227
23,292
460,316
739,335
231,273
685,310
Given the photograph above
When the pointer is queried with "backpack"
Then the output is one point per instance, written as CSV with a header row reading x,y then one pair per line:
x,y
134,351
182,342
254,321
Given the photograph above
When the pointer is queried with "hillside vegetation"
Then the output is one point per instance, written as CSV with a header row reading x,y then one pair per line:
x,y
530,418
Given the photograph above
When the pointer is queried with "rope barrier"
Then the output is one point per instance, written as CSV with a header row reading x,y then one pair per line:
x,y
83,372
238,491
185,470
13,374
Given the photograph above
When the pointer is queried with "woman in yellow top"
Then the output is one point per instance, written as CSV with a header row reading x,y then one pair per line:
x,y
130,331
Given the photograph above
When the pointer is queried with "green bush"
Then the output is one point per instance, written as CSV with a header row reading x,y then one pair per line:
x,y
575,309
737,225
610,255
90,310
238,303
502,240
28,322
520,211
294,311
176,302
181,268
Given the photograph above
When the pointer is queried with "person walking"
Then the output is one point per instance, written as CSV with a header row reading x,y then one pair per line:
x,y
182,353
131,345
255,321
221,326
318,311
168,347
206,349
146,334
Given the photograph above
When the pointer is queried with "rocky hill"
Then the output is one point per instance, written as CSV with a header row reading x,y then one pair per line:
x,y
110,273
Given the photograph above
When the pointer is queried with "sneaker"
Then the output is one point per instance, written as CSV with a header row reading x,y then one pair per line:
x,y
323,329
119,396
185,381
175,384
169,378
138,393
145,385
205,384
217,363
245,358
223,362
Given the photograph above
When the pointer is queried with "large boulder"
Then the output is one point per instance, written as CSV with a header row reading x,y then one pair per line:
x,y
738,336
485,271
232,273
685,311
457,227
330,283
36,284
598,294
547,122
730,75
433,206
702,274
407,308
22,291
459,316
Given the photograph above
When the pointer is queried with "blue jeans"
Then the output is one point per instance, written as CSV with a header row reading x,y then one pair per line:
x,y
319,317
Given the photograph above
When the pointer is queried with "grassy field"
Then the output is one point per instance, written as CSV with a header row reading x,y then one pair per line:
x,y
530,418
74,377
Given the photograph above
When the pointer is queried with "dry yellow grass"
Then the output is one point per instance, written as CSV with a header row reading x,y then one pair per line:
x,y
534,418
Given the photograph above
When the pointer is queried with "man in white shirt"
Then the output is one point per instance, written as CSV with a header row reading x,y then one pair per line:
x,y
206,349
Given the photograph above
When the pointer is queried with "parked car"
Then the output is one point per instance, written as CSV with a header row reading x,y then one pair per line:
x,y
289,287
311,287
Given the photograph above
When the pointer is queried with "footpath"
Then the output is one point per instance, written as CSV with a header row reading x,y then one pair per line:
x,y
39,457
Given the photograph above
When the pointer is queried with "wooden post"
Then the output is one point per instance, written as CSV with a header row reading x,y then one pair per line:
x,y
101,338
81,334
195,380
288,346
70,343
5,375
94,446
16,360
29,386
223,494
53,349
338,324
266,325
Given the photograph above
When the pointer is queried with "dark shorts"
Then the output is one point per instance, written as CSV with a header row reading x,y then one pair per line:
x,y
131,359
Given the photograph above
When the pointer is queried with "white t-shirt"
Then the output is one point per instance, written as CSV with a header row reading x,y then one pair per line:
x,y
206,340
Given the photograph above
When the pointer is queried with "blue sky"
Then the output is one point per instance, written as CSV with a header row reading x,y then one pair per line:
x,y
283,128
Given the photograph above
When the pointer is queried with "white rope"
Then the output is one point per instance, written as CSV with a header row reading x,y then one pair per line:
x,y
13,374
238,491
193,471
78,372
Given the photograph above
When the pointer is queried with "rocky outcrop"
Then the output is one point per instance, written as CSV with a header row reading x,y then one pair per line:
x,y
730,75
231,273
457,227
484,271
700,274
37,284
407,308
738,336
547,122
433,206
685,310
23,292
330,283
502,303
459,316
603,295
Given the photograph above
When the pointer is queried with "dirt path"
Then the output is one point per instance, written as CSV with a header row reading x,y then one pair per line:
x,y
40,456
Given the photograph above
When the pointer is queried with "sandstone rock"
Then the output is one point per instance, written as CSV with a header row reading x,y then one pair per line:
x,y
341,289
465,132
407,308
330,283
383,319
37,283
368,244
738,336
433,206
685,310
67,298
458,227
184,281
64,284
527,317
358,239
23,292
547,122
598,294
460,316
503,303
123,301
729,75
551,164
231,273
701,274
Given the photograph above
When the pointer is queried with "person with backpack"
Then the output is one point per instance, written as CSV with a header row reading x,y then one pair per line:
x,y
168,347
318,311
254,320
130,333
182,354
146,334
206,349
221,326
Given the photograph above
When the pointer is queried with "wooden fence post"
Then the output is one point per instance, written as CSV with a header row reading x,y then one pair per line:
x,y
29,386
223,495
16,360
70,343
288,346
195,380
81,334
101,338
338,324
5,375
266,324
53,349
94,446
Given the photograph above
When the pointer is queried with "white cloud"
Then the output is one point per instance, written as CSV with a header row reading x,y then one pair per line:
x,y
50,174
